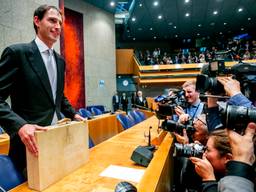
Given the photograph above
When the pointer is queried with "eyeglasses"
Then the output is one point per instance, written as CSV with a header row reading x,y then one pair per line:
x,y
198,119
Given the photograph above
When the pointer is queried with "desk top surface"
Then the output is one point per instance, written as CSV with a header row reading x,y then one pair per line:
x,y
115,151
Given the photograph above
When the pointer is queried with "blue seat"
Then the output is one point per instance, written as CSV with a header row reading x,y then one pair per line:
x,y
9,176
96,111
141,114
100,107
85,113
1,130
125,121
135,116
91,144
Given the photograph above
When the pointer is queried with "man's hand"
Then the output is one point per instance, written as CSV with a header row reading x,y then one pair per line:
x,y
243,146
203,168
27,136
231,86
179,110
79,117
182,139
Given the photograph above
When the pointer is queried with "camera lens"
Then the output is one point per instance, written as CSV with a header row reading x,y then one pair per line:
x,y
189,150
205,83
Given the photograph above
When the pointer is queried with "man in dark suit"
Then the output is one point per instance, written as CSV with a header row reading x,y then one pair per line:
x,y
115,102
140,101
34,80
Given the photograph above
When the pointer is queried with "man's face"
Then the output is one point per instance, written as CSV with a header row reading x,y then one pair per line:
x,y
49,27
191,94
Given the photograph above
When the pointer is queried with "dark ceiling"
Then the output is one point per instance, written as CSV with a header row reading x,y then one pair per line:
x,y
201,22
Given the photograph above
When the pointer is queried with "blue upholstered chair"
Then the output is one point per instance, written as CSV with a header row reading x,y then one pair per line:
x,y
96,111
85,113
141,114
135,116
9,176
125,121
1,130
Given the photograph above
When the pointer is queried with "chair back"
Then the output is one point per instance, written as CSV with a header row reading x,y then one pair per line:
x,y
85,113
96,111
141,114
125,121
9,176
91,144
135,116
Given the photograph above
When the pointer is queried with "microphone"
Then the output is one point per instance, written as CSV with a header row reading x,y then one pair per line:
x,y
125,186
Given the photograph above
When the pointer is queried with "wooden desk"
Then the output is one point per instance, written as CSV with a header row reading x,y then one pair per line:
x,y
4,143
117,151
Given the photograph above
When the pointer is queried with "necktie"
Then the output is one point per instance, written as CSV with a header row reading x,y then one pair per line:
x,y
52,72
52,75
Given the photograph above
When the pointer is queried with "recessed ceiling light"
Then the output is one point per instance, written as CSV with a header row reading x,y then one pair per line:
x,y
187,14
186,1
154,37
174,27
240,9
155,3
140,29
242,29
225,23
150,28
133,19
112,3
249,18
220,33
215,12
140,4
133,38
199,25
170,23
176,35
160,17
198,34
212,23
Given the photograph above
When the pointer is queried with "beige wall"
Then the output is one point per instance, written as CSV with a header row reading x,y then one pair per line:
x,y
16,25
99,45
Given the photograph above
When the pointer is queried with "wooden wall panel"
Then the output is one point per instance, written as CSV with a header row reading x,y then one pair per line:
x,y
124,61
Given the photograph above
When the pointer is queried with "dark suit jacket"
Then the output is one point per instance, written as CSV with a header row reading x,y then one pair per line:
x,y
24,78
139,103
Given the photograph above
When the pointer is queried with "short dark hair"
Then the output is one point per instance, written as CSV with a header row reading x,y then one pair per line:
x,y
41,10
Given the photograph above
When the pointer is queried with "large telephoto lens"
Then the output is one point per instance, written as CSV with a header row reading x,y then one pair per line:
x,y
189,150
211,84
238,117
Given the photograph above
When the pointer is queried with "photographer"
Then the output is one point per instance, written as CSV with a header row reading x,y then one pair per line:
x,y
240,173
212,166
232,88
195,106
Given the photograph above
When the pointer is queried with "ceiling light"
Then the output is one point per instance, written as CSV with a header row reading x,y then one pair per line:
x,y
198,34
133,38
154,37
160,17
187,14
140,29
199,25
240,9
249,18
150,28
176,35
174,27
212,23
215,12
225,23
140,4
186,1
133,19
170,23
220,33
155,3
242,29
112,3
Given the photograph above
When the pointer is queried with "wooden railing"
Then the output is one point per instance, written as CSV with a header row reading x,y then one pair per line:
x,y
172,73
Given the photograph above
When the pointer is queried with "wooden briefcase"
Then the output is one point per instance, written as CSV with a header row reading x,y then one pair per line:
x,y
62,149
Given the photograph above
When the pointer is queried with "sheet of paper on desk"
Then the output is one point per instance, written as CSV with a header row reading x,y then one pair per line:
x,y
124,173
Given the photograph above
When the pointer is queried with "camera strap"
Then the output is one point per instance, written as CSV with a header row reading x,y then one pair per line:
x,y
198,108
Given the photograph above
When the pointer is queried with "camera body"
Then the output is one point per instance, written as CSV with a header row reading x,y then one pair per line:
x,y
189,150
167,104
245,73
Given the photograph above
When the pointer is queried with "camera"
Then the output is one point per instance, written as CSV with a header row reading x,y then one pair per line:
x,y
189,150
237,117
172,126
245,73
167,104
